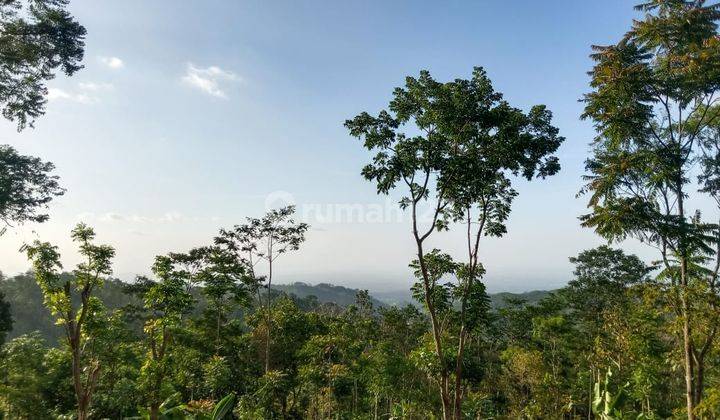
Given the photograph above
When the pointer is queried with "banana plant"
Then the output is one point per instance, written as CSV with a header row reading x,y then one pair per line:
x,y
607,405
170,409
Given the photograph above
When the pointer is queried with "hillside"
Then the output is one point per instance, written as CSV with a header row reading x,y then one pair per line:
x,y
326,293
29,314
498,300
403,297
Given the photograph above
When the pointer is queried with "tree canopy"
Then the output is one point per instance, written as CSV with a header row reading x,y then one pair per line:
x,y
37,39
27,186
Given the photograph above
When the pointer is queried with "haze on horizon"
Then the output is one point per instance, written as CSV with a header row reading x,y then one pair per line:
x,y
192,116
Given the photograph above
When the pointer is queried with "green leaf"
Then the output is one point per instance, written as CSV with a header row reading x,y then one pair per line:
x,y
223,407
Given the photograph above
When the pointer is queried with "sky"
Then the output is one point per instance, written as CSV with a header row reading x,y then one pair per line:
x,y
191,116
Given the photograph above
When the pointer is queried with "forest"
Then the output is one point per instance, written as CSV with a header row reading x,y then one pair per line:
x,y
210,335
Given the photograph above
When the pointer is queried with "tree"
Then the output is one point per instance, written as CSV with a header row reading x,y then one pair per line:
x,y
26,187
22,378
166,301
224,281
653,104
6,319
278,391
602,276
37,38
470,143
119,353
58,298
599,300
264,239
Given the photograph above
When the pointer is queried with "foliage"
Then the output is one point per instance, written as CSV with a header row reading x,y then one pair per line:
x,y
263,239
454,147
79,322
26,187
536,360
654,108
37,39
201,339
24,379
6,319
607,405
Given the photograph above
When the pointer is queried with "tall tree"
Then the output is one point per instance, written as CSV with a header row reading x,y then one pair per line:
x,y
224,282
264,240
462,146
58,292
653,102
37,38
166,301
26,187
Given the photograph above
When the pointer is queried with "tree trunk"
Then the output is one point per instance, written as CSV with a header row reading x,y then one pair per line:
x,y
154,411
699,380
217,333
458,373
83,400
82,413
375,415
689,383
443,385
685,308
268,320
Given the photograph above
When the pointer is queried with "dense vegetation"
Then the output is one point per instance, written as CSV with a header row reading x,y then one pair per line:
x,y
361,360
209,335
28,313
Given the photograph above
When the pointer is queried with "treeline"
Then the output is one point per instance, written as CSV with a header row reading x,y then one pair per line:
x,y
25,309
605,332
28,313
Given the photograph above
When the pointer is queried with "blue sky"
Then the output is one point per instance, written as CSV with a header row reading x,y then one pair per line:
x,y
189,114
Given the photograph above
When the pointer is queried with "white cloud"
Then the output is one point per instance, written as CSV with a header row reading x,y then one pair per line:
x,y
85,93
95,87
117,217
208,79
55,94
172,217
111,217
112,62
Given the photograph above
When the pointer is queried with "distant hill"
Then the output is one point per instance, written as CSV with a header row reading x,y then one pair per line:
x,y
402,297
326,293
29,314
531,298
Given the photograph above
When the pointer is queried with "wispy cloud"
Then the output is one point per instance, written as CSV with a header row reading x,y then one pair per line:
x,y
86,92
55,94
117,217
114,217
172,217
208,79
112,62
95,87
